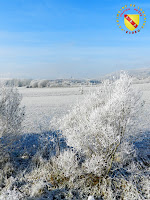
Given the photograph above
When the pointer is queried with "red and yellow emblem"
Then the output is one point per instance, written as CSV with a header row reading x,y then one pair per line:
x,y
131,21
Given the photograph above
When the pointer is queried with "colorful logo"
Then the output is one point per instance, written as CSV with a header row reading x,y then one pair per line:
x,y
131,19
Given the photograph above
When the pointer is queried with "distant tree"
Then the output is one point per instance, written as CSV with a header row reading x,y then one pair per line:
x,y
42,83
48,84
34,83
17,82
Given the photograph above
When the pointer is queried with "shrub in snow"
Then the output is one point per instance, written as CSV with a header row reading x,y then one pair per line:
x,y
67,163
34,84
11,113
94,164
42,83
98,125
39,83
99,130
11,117
17,82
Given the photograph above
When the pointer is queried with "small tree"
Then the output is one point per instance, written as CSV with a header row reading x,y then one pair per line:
x,y
11,113
97,126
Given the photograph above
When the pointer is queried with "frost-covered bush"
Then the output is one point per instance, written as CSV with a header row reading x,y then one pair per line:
x,y
99,124
17,82
34,83
11,117
42,83
94,164
67,163
11,113
39,83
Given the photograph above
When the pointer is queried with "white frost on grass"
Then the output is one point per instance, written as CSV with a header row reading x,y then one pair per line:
x,y
91,198
11,195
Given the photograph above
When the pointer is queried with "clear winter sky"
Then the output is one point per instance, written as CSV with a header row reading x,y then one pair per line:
x,y
69,38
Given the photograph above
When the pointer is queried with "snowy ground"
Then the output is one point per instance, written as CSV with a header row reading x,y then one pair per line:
x,y
42,104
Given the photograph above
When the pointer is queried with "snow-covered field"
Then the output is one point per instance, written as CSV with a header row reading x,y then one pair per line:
x,y
42,104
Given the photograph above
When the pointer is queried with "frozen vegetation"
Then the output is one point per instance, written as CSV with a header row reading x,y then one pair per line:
x,y
75,143
43,83
140,76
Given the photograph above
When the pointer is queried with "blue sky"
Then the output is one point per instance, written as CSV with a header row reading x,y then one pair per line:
x,y
68,38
